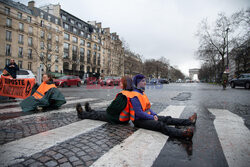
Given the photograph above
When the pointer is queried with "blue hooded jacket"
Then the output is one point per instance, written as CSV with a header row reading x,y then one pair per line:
x,y
139,114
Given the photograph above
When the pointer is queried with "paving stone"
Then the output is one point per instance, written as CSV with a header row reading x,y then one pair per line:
x,y
30,161
51,163
73,158
36,164
77,163
57,156
44,159
62,160
51,153
67,164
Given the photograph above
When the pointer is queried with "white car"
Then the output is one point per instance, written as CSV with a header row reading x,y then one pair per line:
x,y
22,73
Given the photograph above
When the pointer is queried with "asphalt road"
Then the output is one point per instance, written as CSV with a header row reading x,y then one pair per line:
x,y
221,134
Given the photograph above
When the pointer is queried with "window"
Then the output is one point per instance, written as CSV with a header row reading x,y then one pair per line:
x,y
88,36
42,45
49,26
49,46
20,64
7,10
57,48
66,36
49,18
30,41
66,46
8,22
82,33
42,15
57,38
49,36
42,34
56,21
29,65
21,26
98,59
74,49
82,54
30,30
56,58
42,23
89,45
66,55
49,57
64,17
72,21
20,52
94,37
57,29
41,55
82,42
29,53
74,39
8,35
19,15
79,25
95,46
7,61
20,39
56,68
8,50
66,26
29,19
74,30
99,48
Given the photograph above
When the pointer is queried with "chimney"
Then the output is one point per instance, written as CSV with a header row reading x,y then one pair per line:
x,y
31,4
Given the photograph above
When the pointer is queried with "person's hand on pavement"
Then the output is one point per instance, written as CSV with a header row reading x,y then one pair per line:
x,y
155,117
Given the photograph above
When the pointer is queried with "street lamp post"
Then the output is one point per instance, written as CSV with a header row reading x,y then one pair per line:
x,y
227,49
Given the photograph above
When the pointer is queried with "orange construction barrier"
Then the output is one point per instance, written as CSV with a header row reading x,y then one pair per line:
x,y
17,88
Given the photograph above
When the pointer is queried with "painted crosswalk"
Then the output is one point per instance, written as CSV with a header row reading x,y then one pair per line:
x,y
141,148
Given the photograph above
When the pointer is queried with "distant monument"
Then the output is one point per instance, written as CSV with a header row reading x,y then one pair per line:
x,y
193,74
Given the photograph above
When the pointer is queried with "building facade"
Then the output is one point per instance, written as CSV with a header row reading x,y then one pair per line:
x,y
30,36
57,41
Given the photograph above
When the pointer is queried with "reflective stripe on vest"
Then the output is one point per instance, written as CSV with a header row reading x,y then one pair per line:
x,y
42,89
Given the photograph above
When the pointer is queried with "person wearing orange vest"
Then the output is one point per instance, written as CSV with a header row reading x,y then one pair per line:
x,y
45,96
118,112
147,119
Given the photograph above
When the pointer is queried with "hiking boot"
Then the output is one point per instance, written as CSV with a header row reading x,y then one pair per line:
x,y
87,107
193,118
79,110
188,133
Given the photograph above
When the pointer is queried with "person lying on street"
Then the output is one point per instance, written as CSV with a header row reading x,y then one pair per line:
x,y
43,97
147,119
117,112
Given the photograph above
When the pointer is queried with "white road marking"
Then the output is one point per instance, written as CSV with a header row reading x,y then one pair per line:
x,y
234,137
18,109
141,148
16,151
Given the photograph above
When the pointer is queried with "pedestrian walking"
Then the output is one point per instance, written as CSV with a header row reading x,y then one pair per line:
x,y
118,112
147,119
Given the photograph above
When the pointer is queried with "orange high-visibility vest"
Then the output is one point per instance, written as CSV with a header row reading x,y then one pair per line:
x,y
42,89
129,112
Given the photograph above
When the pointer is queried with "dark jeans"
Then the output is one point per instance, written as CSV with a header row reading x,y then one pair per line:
x,y
95,115
162,125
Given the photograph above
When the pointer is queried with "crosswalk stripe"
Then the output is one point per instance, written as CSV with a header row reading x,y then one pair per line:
x,y
18,109
141,148
16,151
234,137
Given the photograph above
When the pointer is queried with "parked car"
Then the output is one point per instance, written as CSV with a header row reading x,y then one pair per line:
x,y
68,80
153,81
22,73
107,81
117,80
242,80
163,81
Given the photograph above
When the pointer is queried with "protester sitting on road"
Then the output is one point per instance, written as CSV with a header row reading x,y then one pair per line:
x,y
12,68
118,112
147,119
43,97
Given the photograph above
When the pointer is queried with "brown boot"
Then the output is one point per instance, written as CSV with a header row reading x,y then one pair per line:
x,y
193,118
79,110
188,133
87,107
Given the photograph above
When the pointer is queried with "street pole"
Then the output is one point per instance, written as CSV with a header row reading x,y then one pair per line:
x,y
227,49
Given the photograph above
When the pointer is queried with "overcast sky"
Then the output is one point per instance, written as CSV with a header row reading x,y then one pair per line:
x,y
153,28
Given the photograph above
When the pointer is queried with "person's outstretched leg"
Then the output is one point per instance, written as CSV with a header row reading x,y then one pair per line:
x,y
163,128
177,121
90,114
